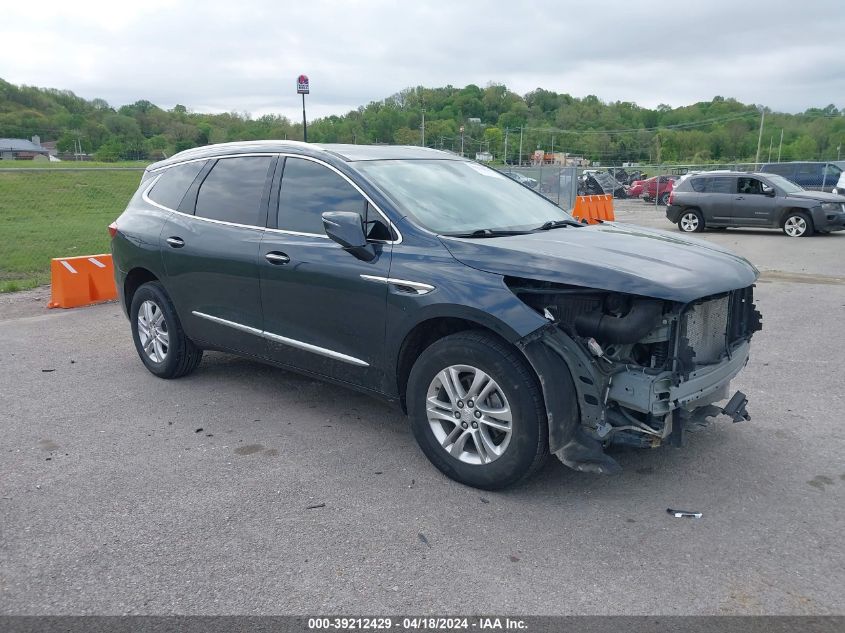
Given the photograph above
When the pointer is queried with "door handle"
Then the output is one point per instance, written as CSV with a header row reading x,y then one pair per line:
x,y
176,242
277,258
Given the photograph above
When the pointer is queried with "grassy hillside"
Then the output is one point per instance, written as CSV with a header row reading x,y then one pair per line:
x,y
493,118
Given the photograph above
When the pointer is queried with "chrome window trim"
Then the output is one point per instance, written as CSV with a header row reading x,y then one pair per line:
x,y
145,197
195,160
419,287
308,347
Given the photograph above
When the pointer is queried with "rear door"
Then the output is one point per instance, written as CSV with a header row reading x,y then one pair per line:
x,y
752,204
210,250
717,199
323,313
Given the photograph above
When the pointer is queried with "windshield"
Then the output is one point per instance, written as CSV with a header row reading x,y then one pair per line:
x,y
787,186
457,196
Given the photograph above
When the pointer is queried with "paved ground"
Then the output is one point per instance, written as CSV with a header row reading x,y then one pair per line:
x,y
122,493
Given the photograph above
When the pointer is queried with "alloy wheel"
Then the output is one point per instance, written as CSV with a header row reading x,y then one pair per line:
x,y
795,226
689,222
469,414
152,331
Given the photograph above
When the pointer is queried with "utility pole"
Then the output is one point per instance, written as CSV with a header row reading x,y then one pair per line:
x,y
462,140
520,145
505,157
780,147
422,134
771,140
760,138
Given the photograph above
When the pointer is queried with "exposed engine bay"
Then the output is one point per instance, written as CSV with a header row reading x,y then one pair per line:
x,y
644,370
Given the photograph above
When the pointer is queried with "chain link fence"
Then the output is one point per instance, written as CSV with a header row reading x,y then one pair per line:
x,y
46,213
63,212
557,183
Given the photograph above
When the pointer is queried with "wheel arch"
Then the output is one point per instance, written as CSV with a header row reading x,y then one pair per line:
x,y
435,327
790,210
135,278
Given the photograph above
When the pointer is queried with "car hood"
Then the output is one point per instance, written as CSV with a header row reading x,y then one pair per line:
x,y
611,256
821,196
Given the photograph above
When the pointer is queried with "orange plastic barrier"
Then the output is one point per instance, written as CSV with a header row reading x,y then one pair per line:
x,y
594,208
81,281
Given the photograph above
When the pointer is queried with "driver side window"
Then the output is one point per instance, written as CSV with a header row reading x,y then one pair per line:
x,y
750,186
308,189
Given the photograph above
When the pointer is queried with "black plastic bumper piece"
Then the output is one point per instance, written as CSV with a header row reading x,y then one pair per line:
x,y
735,409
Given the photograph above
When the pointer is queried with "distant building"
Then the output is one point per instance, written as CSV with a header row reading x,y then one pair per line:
x,y
561,159
483,157
473,119
22,149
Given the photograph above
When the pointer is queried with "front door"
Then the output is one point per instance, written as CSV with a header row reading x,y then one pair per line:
x,y
754,203
320,312
211,257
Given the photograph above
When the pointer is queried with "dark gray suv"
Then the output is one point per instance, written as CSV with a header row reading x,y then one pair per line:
x,y
505,329
721,199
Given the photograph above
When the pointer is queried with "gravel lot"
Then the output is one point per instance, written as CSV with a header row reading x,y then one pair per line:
x,y
122,493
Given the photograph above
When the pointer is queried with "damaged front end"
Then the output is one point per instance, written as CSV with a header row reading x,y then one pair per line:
x,y
643,370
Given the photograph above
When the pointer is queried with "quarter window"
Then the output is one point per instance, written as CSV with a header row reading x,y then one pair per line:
x,y
698,184
233,190
174,183
309,189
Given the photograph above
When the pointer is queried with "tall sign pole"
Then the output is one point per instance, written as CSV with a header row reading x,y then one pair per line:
x,y
303,89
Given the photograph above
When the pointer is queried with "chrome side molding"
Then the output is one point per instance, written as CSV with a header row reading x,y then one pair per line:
x,y
308,347
413,287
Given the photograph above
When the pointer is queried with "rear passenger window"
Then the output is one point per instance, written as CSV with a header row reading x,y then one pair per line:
x,y
233,190
698,184
309,189
720,185
173,184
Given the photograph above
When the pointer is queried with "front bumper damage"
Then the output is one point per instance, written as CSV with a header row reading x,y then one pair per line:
x,y
591,403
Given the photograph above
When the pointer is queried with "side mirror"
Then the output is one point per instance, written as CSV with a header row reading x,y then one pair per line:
x,y
347,229
769,192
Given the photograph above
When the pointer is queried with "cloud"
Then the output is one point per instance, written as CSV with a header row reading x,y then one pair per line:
x,y
220,55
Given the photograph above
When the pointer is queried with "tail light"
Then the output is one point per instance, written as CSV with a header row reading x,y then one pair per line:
x,y
112,229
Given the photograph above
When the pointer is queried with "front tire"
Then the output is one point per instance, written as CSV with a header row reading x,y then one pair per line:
x,y
797,224
158,336
477,412
691,221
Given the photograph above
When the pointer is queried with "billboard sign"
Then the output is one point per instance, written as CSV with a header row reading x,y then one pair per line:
x,y
302,85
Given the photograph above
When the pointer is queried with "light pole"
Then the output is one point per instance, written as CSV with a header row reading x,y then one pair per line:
x,y
462,140
422,129
760,137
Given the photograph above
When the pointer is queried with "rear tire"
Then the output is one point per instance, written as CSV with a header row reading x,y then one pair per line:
x,y
691,221
158,335
797,224
494,442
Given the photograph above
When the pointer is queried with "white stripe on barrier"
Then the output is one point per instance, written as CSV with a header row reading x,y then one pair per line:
x,y
68,266
96,262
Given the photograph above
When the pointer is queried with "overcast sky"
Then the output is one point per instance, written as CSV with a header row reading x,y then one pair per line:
x,y
224,55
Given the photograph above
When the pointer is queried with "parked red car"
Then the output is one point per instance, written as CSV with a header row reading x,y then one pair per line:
x,y
662,190
636,189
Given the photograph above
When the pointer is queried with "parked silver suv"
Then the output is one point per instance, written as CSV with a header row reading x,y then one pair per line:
x,y
722,199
